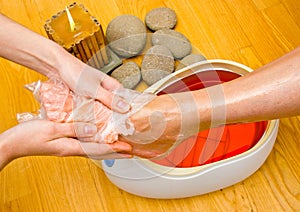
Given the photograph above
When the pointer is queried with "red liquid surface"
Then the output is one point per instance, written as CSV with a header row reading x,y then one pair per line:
x,y
217,143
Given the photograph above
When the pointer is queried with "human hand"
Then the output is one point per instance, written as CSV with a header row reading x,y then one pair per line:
x,y
41,137
163,124
50,59
87,81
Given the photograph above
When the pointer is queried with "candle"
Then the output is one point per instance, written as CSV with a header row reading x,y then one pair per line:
x,y
81,35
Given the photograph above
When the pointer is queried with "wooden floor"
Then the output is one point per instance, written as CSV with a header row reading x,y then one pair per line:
x,y
252,32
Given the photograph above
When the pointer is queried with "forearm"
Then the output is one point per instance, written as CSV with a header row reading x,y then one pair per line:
x,y
28,48
38,53
270,92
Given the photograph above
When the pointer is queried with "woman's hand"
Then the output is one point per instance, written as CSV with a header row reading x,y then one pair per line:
x,y
87,81
48,58
41,137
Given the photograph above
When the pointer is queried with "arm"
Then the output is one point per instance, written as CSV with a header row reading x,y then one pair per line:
x,y
36,52
41,137
271,92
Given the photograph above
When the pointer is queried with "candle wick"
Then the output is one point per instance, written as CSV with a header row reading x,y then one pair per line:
x,y
71,21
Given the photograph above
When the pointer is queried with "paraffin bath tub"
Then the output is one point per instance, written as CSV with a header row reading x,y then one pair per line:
x,y
215,158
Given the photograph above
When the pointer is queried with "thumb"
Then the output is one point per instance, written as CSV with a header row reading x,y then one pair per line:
x,y
98,85
76,129
111,100
83,130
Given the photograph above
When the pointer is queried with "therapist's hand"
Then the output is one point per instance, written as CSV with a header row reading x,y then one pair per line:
x,y
88,81
41,137
50,59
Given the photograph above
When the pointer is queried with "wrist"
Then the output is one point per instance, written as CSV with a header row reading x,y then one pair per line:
x,y
56,59
68,67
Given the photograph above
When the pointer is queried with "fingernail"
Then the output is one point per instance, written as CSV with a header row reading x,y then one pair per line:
x,y
122,106
90,129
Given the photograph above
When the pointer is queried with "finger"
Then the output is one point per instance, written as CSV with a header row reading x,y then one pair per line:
x,y
84,130
98,85
76,129
111,100
100,150
111,156
120,146
73,147
88,139
110,83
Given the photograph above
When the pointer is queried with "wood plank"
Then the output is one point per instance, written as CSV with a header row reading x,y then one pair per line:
x,y
257,30
286,29
252,32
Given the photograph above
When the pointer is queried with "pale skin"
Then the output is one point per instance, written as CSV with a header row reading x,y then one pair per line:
x,y
42,137
268,93
49,59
